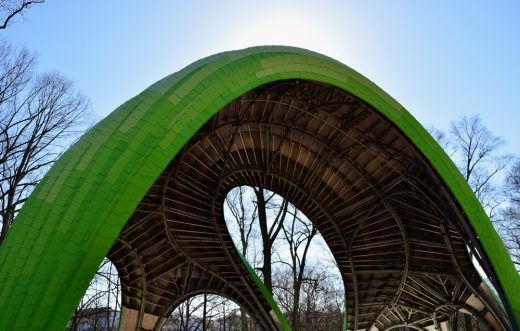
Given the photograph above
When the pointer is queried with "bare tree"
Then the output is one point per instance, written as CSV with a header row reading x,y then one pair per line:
x,y
269,227
310,297
478,154
40,115
100,307
321,295
9,9
205,312
255,208
442,139
480,159
509,226
244,214
322,299
298,234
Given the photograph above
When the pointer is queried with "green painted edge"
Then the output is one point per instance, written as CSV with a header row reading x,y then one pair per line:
x,y
345,317
72,218
267,295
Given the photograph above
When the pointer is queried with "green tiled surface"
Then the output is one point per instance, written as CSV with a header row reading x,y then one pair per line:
x,y
74,215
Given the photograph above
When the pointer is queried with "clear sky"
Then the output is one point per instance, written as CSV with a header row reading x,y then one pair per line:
x,y
439,59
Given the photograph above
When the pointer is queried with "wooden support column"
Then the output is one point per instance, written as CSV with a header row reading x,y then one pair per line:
x,y
130,321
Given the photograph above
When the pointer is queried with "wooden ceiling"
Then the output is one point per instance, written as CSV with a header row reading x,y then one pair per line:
x,y
399,238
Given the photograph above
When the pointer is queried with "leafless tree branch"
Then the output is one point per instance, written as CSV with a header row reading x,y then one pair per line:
x,y
10,9
41,115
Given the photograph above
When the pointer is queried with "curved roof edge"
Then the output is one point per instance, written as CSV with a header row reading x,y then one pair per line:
x,y
72,218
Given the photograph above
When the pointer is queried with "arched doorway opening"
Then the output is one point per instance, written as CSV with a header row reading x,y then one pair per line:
x,y
208,312
302,273
100,306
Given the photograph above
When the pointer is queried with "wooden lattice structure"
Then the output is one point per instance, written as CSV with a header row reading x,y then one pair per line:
x,y
397,235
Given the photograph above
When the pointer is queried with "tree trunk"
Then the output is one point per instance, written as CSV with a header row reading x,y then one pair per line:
x,y
269,234
224,316
187,317
266,241
296,325
243,319
204,313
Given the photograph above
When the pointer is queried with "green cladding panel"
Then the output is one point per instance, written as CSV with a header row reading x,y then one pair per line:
x,y
74,215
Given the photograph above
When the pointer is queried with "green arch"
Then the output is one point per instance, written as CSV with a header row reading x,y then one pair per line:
x,y
72,218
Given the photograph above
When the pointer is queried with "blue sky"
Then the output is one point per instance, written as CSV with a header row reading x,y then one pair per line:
x,y
440,59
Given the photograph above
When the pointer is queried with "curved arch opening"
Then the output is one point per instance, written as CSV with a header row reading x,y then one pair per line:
x,y
208,311
100,306
303,275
